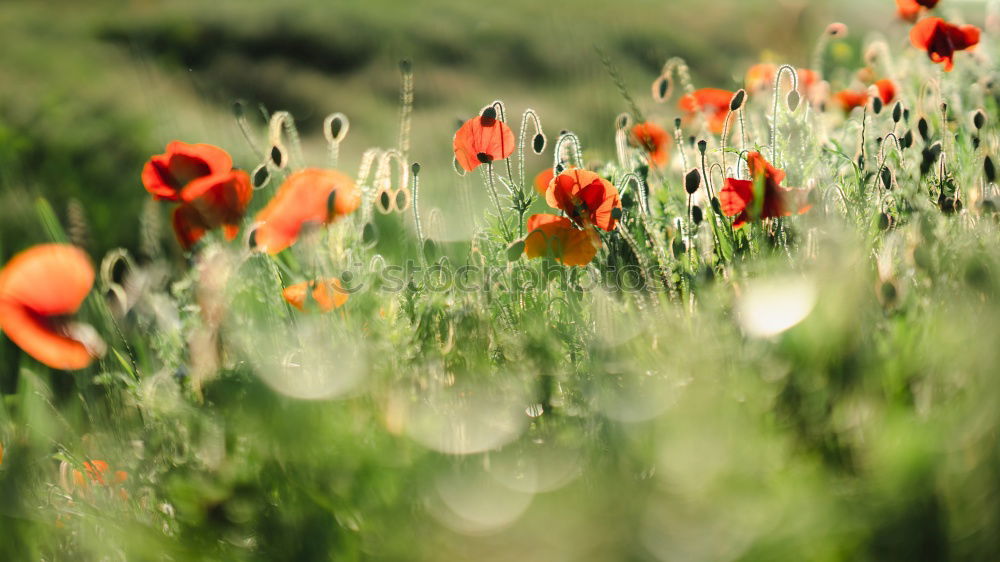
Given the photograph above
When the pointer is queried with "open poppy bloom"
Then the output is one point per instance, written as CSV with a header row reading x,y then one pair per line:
x,y
739,197
654,141
543,179
712,102
941,39
326,293
39,288
849,99
313,196
587,198
165,175
481,140
886,90
211,202
910,9
555,236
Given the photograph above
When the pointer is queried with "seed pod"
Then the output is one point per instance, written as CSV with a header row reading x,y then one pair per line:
x,y
989,170
877,105
886,177
692,181
793,100
897,112
702,146
696,214
922,129
738,98
538,143
415,168
979,119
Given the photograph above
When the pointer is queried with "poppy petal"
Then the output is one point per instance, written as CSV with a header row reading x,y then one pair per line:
x,y
735,196
303,198
328,294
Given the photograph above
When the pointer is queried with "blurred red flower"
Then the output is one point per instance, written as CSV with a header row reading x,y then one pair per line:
x,y
555,236
543,179
585,197
849,99
328,294
654,140
712,102
305,197
941,39
886,90
739,197
910,9
481,140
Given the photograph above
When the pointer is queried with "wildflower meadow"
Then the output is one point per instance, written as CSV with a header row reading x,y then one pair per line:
x,y
751,314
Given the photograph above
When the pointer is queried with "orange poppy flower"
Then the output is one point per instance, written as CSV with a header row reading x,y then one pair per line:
x,y
327,294
737,197
481,140
210,202
166,175
910,9
38,288
941,39
305,197
712,102
551,235
585,197
654,140
849,99
542,180
886,90
760,77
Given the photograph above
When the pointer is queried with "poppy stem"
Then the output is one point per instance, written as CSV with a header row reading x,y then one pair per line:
x,y
496,200
406,107
774,113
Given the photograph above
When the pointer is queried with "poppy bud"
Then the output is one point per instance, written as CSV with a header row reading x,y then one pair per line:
x,y
406,66
989,170
696,214
336,127
660,89
737,101
490,113
261,176
861,162
330,202
886,177
278,156
622,121
884,221
369,234
702,146
877,105
897,112
692,181
793,100
677,123
385,201
944,107
252,240
538,143
691,140
906,115
922,129
402,201
559,169
908,139
678,247
717,206
238,110
979,119
975,142
928,157
616,213
415,168
515,250
430,250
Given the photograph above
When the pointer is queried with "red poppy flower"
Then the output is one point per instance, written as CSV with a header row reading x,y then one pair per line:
x,y
585,197
760,77
305,197
542,180
481,140
910,9
941,39
554,236
886,90
712,102
165,175
849,99
211,202
737,197
327,294
654,140
39,288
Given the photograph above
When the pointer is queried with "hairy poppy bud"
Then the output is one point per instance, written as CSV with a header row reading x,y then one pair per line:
x,y
415,168
716,205
884,221
989,170
406,66
702,146
538,143
238,110
975,142
677,123
922,129
338,126
897,112
692,181
944,107
793,100
696,214
928,157
886,177
738,98
678,247
877,105
908,139
979,119
559,169
660,89
861,162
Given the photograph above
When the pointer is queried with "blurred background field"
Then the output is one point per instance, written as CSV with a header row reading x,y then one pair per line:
x,y
88,90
